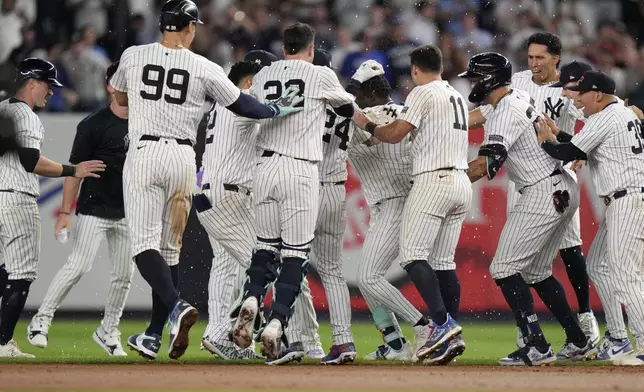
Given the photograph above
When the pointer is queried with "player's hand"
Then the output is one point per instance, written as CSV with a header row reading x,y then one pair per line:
x,y
360,119
552,124
290,102
544,132
638,112
62,223
576,165
368,70
89,169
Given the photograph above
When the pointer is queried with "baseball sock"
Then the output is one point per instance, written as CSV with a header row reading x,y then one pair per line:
x,y
553,295
13,302
450,290
261,273
575,263
159,311
517,294
426,282
156,272
393,338
4,276
287,288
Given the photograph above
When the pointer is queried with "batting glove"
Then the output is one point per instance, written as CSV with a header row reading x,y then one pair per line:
x,y
368,70
290,102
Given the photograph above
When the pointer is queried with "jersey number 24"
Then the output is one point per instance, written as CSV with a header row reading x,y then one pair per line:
x,y
176,80
341,129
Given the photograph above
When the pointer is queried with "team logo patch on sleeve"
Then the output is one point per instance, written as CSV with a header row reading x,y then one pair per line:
x,y
496,138
404,109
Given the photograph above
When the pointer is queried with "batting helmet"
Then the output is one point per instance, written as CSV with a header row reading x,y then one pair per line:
x,y
177,14
491,70
322,58
35,68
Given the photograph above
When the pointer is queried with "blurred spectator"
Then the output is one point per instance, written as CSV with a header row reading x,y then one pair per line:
x,y
636,96
606,64
472,39
10,29
450,14
422,28
90,12
398,50
64,98
89,37
27,47
344,46
86,70
369,51
324,32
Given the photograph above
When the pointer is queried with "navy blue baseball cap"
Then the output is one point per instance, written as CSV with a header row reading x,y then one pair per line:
x,y
322,57
595,81
572,72
261,56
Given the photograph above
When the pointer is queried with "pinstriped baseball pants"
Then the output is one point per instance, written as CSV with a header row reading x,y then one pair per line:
x,y
20,235
380,250
90,232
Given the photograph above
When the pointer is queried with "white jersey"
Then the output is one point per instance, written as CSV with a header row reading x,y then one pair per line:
x,y
384,169
613,140
167,88
29,134
298,135
511,124
337,136
439,114
230,150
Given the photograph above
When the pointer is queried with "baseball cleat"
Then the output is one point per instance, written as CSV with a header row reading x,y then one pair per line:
x,y
421,334
440,334
11,350
447,352
635,358
38,331
242,334
293,353
226,350
572,352
270,340
589,325
388,353
529,356
340,354
610,349
182,318
110,342
146,345
315,353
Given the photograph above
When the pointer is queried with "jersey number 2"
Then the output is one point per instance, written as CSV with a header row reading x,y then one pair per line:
x,y
341,130
636,127
462,126
180,85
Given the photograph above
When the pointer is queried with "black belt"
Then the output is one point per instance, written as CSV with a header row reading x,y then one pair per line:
x,y
228,187
150,138
618,195
554,173
333,183
12,191
269,153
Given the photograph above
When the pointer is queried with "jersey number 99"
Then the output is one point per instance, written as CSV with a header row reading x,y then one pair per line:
x,y
155,76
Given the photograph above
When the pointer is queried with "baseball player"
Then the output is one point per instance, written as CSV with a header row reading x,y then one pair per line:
x,y
441,194
615,342
101,135
549,196
165,86
611,142
20,167
541,82
286,187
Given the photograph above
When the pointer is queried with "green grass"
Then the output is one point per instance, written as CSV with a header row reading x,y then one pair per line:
x,y
71,342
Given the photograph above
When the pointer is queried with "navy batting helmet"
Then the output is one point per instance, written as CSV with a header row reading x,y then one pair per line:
x,y
322,58
35,68
491,71
177,14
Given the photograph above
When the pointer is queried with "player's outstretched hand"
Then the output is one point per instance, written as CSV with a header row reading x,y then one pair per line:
x,y
576,165
544,132
552,124
89,169
360,119
290,102
368,70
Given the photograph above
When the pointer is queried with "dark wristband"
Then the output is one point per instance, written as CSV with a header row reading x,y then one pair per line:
x,y
370,127
68,171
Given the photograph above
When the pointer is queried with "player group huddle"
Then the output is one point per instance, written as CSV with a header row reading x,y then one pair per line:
x,y
279,134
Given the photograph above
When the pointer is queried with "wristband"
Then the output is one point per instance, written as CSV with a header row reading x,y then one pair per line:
x,y
370,127
68,171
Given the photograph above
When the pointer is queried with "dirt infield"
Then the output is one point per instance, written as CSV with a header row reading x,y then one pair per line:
x,y
301,377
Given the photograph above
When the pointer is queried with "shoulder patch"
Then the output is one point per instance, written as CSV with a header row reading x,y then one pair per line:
x,y
496,138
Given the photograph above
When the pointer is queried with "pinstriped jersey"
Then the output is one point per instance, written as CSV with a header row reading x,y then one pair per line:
x,y
384,169
29,134
337,136
298,135
230,150
613,140
167,88
511,124
439,114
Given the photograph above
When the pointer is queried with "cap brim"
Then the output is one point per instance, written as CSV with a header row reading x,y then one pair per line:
x,y
558,84
577,88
